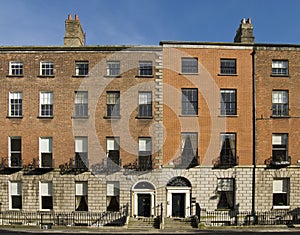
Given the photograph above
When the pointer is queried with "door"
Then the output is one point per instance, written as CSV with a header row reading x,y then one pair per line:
x,y
178,204
144,205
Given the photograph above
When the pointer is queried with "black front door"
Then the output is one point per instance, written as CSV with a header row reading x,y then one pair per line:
x,y
144,205
178,201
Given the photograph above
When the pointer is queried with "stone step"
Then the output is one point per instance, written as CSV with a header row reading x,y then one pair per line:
x,y
143,223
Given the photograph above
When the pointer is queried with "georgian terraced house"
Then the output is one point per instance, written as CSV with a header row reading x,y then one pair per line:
x,y
170,130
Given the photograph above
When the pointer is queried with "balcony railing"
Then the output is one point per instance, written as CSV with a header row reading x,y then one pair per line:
x,y
144,163
73,166
276,161
225,161
38,166
186,162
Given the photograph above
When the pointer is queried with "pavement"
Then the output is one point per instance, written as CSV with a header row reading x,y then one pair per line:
x,y
124,230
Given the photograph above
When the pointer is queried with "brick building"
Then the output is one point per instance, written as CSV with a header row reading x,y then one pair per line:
x,y
183,125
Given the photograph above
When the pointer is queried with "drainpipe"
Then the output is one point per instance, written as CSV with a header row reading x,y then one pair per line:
x,y
254,132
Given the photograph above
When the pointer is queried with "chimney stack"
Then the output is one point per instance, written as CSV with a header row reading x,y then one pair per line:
x,y
244,34
74,35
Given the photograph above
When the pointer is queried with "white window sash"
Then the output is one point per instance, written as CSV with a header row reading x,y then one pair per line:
x,y
280,186
46,188
112,189
81,188
46,145
15,188
81,145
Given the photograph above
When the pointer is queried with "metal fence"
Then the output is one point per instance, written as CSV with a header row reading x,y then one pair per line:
x,y
244,218
96,219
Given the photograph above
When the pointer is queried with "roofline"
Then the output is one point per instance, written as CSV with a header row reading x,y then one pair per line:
x,y
82,48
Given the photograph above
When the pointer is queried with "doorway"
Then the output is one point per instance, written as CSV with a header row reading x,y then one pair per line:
x,y
144,205
178,204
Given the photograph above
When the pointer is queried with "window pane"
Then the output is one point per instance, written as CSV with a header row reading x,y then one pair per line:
x,y
189,65
190,101
145,104
280,67
228,102
81,68
145,68
113,68
228,66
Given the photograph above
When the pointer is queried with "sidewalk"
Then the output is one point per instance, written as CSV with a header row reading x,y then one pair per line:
x,y
125,230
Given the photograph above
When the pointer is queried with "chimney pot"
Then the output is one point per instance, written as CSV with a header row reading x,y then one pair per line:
x,y
69,17
76,17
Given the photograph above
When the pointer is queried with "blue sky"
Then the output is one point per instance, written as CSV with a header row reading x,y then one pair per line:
x,y
146,22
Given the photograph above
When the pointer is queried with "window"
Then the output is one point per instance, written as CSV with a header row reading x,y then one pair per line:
x,y
16,68
81,68
189,65
113,104
113,151
46,104
280,67
280,103
189,149
228,66
145,68
113,196
81,152
145,153
46,200
279,147
46,152
281,192
15,104
46,69
226,193
15,154
145,104
81,196
190,101
113,68
228,149
81,104
15,190
228,102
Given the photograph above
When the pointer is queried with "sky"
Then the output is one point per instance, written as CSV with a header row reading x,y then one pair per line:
x,y
147,22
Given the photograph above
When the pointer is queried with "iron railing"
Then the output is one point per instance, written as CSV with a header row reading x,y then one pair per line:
x,y
95,219
278,162
226,161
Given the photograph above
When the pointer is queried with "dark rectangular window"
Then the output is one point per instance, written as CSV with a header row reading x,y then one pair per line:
x,y
189,149
81,196
46,195
189,65
113,104
145,68
279,147
145,153
81,104
15,152
46,104
81,153
280,103
113,152
190,101
46,152
281,188
226,193
228,102
228,149
16,195
81,68
228,66
145,104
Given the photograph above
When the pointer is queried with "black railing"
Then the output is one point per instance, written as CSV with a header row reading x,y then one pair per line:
x,y
95,219
143,164
186,162
275,161
226,161
73,167
107,165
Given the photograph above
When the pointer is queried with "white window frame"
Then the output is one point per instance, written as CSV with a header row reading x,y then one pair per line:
x,y
43,141
280,67
81,146
189,65
81,190
16,68
49,193
16,96
145,104
46,98
14,192
46,68
81,104
281,186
